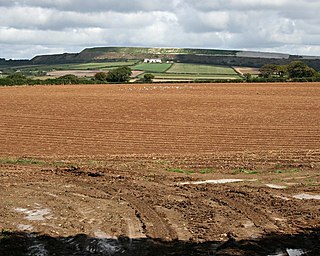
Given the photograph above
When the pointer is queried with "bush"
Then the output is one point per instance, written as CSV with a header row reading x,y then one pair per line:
x,y
147,78
119,75
101,76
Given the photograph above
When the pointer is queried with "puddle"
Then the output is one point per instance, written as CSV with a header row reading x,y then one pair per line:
x,y
104,246
295,252
36,214
23,227
38,249
307,196
289,252
275,186
221,181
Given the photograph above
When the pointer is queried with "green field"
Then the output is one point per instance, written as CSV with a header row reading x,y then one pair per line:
x,y
167,76
77,66
183,68
152,67
102,65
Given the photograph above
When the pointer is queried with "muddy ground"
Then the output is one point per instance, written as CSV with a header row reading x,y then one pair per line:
x,y
266,204
160,169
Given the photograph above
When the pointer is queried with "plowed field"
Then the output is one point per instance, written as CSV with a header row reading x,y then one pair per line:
x,y
94,120
160,169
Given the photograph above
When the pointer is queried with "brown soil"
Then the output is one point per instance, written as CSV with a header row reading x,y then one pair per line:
x,y
247,70
112,162
98,120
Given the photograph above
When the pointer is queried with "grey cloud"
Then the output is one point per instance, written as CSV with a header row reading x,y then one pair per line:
x,y
48,19
97,5
63,25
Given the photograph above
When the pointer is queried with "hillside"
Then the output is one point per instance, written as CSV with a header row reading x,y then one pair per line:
x,y
185,55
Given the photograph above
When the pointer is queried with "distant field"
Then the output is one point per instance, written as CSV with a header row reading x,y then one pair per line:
x,y
78,73
152,67
93,65
77,66
101,65
247,70
173,76
200,69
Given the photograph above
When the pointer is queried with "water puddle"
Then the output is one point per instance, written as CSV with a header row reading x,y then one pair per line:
x,y
295,252
35,214
220,181
38,249
23,227
307,196
275,186
289,252
104,246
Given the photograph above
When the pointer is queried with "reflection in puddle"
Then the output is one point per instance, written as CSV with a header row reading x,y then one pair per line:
x,y
221,181
275,186
289,252
307,196
38,249
36,214
295,252
23,227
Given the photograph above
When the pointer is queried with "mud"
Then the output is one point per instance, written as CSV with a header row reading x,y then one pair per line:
x,y
146,170
136,205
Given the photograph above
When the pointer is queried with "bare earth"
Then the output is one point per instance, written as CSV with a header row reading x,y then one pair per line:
x,y
110,170
83,73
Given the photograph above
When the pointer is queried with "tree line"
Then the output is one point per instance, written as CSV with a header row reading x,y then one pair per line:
x,y
294,71
118,75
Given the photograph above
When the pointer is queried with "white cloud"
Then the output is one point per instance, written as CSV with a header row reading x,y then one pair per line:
x,y
30,27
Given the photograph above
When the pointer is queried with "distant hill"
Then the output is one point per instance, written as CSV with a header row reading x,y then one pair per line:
x,y
125,53
185,55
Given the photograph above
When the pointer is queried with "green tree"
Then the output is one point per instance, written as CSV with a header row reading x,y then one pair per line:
x,y
119,75
67,79
147,78
16,77
282,71
101,76
247,77
268,70
298,69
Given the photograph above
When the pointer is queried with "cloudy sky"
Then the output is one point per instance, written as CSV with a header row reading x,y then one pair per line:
x,y
31,27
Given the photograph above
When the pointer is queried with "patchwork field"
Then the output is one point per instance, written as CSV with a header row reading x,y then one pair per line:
x,y
183,68
152,67
160,169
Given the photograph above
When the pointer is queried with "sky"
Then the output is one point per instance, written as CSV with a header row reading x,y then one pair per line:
x,y
33,27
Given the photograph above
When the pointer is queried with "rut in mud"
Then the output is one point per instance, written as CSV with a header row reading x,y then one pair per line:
x,y
138,205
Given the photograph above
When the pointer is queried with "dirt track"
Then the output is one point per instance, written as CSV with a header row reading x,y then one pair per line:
x,y
114,163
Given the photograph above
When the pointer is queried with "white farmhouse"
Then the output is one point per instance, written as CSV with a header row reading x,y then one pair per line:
x,y
152,61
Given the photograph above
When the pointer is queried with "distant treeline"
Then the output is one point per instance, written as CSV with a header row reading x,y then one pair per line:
x,y
11,63
296,71
118,75
19,79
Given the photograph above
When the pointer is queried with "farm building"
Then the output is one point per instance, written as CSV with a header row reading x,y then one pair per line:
x,y
152,61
